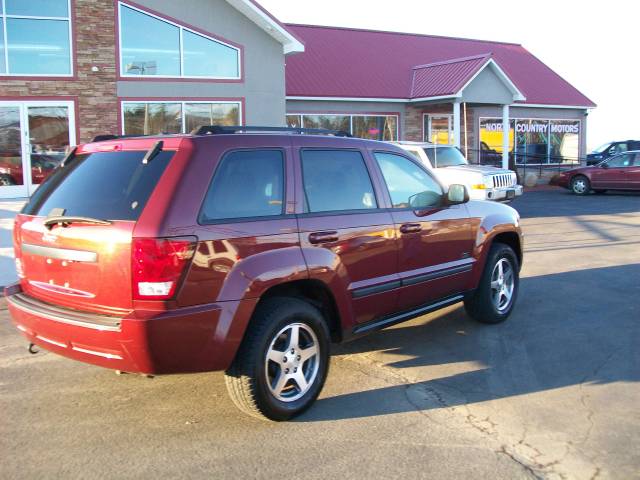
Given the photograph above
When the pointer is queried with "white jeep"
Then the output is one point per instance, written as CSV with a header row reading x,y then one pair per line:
x,y
449,165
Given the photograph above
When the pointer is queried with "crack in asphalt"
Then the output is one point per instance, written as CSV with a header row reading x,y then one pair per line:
x,y
529,460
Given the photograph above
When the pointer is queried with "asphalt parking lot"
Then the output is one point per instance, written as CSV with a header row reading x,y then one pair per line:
x,y
552,393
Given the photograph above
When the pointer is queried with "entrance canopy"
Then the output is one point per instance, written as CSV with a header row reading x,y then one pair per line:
x,y
477,79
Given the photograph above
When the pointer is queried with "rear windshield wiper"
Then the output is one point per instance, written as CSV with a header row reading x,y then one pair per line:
x,y
63,221
153,152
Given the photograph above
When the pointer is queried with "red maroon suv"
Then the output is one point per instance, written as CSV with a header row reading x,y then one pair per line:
x,y
249,252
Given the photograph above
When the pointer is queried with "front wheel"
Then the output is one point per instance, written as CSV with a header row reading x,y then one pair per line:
x,y
580,185
283,361
6,181
493,300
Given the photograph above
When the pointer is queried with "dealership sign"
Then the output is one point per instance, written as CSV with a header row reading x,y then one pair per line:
x,y
535,126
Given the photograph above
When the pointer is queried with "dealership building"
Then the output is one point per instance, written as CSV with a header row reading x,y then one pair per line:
x,y
74,69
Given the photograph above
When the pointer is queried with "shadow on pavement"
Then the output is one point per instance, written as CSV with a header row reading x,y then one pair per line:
x,y
545,345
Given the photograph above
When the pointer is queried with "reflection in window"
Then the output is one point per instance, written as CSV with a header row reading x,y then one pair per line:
x,y
37,35
38,8
336,180
294,121
10,147
330,122
204,58
151,118
151,46
246,184
439,129
372,127
199,114
408,184
48,139
375,127
536,141
2,52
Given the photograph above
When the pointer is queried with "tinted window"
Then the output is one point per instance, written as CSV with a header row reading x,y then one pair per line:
x,y
408,184
336,180
106,185
246,184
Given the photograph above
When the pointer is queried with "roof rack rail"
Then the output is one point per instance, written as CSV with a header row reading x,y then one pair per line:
x,y
224,129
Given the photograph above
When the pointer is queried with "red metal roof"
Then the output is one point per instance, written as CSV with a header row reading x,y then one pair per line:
x,y
445,78
351,63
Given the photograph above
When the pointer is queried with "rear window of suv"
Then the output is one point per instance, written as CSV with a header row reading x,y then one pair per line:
x,y
104,185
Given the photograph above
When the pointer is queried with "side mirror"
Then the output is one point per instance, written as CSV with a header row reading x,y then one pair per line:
x,y
457,194
604,165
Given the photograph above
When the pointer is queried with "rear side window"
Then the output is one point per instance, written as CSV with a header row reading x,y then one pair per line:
x,y
336,180
104,185
246,184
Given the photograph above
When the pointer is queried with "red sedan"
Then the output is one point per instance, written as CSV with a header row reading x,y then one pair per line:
x,y
621,172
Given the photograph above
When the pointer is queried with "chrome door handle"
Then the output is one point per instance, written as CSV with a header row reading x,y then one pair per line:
x,y
323,237
410,228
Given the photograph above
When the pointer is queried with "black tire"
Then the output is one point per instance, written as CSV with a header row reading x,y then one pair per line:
x,y
480,304
247,380
6,180
600,192
580,185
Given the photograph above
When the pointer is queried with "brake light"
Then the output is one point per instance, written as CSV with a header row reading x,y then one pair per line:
x,y
158,264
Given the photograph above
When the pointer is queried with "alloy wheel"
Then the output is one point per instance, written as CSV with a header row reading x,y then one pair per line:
x,y
502,285
292,362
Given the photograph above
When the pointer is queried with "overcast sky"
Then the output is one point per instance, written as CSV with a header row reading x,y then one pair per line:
x,y
593,45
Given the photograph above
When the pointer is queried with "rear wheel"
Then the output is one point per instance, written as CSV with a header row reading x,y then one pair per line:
x,y
283,361
580,185
493,300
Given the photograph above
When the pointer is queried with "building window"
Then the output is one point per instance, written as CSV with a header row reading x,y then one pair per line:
x,y
532,140
372,127
438,129
152,46
35,38
150,118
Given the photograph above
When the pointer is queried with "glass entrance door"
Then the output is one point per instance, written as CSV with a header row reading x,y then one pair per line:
x,y
439,129
12,181
34,137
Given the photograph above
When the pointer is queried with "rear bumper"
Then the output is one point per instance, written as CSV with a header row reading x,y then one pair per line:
x,y
190,339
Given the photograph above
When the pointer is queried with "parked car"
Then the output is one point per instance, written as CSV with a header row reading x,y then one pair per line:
x,y
610,149
621,172
11,169
249,252
482,181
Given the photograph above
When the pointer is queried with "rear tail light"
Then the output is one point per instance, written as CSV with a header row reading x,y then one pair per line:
x,y
158,265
